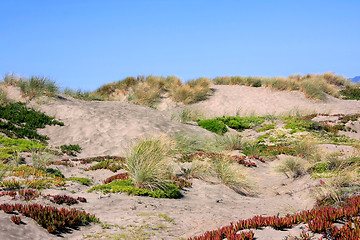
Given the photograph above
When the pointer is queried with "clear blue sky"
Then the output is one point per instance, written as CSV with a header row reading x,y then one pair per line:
x,y
84,44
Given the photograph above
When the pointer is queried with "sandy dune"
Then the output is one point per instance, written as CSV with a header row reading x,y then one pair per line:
x,y
230,99
106,128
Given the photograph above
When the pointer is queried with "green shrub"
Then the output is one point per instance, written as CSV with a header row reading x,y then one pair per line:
x,y
213,125
241,123
127,186
21,121
351,94
83,181
54,172
71,149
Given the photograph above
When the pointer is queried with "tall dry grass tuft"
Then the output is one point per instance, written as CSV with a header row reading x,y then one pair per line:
x,y
37,86
12,79
315,86
230,141
193,91
146,164
305,148
144,94
231,175
292,167
187,114
3,97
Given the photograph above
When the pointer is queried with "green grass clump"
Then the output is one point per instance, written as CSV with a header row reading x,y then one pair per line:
x,y
83,95
18,120
292,167
37,86
9,146
83,181
351,94
127,186
187,114
70,149
146,165
213,125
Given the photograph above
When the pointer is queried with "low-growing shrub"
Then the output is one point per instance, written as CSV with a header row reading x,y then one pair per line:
x,y
127,186
213,125
266,127
60,199
107,164
21,121
51,218
70,149
12,146
83,181
54,172
351,94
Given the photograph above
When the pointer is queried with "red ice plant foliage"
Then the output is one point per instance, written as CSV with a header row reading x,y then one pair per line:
x,y
51,218
16,219
60,199
120,176
319,220
181,182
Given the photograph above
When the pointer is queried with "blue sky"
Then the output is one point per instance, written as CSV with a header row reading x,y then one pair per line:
x,y
84,44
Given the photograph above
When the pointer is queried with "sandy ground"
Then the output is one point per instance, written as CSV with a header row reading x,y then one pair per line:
x,y
107,128
233,99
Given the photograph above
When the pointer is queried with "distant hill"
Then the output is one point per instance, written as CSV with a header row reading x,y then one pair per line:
x,y
356,79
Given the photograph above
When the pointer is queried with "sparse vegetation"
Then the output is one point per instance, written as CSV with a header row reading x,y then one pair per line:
x,y
70,149
293,167
315,86
82,180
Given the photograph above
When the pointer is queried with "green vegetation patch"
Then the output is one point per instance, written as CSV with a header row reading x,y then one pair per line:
x,y
127,186
241,123
266,127
9,146
213,125
17,120
70,149
54,172
83,181
351,94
